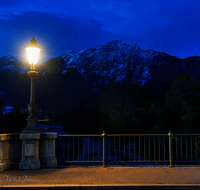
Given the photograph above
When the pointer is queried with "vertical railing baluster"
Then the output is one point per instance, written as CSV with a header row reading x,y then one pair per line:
x,y
159,146
93,148
134,148
170,149
78,150
73,149
124,150
98,150
104,149
196,147
68,148
129,149
110,148
191,146
58,148
186,147
139,148
63,148
144,148
119,149
154,149
164,146
83,148
176,149
115,147
181,149
149,149
88,148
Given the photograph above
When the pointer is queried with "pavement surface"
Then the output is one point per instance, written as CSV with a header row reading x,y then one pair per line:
x,y
98,176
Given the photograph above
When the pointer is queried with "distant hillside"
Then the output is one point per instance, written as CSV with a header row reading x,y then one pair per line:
x,y
76,75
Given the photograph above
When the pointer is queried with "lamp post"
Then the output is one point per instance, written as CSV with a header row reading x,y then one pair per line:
x,y
33,51
38,149
31,134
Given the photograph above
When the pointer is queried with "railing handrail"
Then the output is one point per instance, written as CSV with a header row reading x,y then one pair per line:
x,y
186,134
76,135
99,135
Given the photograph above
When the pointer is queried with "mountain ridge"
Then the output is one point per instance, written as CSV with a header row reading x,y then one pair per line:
x,y
84,73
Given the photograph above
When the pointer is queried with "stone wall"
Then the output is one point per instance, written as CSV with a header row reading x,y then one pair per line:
x,y
11,151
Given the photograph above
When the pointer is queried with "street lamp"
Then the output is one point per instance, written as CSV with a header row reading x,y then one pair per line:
x,y
38,150
33,51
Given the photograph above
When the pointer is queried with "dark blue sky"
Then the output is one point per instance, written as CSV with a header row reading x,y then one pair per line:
x,y
171,26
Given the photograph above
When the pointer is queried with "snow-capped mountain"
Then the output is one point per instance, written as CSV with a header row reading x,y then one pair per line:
x,y
11,64
78,74
114,61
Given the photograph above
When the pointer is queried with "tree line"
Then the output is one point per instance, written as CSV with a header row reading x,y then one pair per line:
x,y
127,109
133,109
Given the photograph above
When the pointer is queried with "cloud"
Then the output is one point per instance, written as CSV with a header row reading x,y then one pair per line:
x,y
55,35
169,26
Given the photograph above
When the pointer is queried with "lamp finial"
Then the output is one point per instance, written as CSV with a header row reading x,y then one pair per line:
x,y
33,41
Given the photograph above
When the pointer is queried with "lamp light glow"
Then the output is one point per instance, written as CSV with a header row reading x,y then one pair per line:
x,y
33,51
33,54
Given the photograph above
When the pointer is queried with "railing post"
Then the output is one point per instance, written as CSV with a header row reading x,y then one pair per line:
x,y
170,149
104,149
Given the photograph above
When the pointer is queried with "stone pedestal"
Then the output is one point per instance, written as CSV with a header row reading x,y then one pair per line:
x,y
30,151
47,150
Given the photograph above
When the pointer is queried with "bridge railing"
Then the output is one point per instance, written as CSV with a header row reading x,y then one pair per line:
x,y
126,148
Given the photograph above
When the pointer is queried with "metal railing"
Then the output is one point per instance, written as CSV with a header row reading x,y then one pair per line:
x,y
127,148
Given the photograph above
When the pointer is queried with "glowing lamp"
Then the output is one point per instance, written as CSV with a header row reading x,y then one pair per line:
x,y
33,51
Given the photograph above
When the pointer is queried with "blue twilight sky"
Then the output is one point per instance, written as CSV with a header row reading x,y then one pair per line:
x,y
171,26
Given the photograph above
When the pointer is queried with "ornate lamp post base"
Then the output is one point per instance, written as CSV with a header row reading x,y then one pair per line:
x,y
32,126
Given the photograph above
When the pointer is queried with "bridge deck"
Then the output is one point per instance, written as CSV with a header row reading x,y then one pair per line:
x,y
184,177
